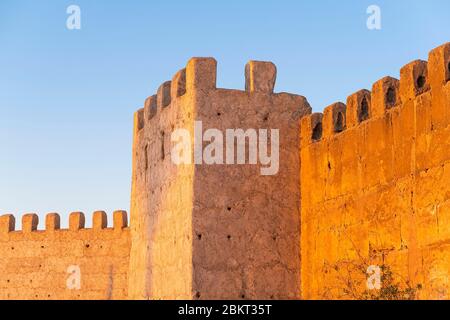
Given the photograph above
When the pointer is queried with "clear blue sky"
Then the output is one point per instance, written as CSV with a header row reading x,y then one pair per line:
x,y
67,97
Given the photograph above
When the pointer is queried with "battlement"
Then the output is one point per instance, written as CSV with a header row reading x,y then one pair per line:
x,y
74,263
200,77
377,171
416,78
77,220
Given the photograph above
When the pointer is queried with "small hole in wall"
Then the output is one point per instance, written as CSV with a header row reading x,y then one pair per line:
x,y
390,97
197,295
12,248
42,247
219,114
271,297
229,237
163,151
329,165
87,246
146,157
243,296
8,281
317,131
420,82
199,236
266,117
229,208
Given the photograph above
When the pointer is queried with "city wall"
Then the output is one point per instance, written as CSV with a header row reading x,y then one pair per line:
x,y
375,187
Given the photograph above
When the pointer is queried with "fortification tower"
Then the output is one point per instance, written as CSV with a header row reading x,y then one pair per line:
x,y
215,231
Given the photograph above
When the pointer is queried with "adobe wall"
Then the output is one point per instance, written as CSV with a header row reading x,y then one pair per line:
x,y
215,231
245,224
375,186
39,264
161,197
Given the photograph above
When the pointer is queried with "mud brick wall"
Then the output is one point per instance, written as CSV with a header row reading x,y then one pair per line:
x,y
36,264
375,186
215,231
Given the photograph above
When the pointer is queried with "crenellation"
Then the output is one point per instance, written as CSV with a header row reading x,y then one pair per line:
x,y
311,128
52,222
139,120
120,220
334,119
164,95
385,95
413,80
150,107
179,84
77,221
439,78
439,66
30,222
358,108
99,220
201,74
7,223
260,76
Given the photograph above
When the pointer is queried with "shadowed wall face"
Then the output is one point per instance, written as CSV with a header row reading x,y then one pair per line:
x,y
249,222
161,199
377,192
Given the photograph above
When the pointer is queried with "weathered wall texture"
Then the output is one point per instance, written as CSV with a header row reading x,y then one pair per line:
x,y
245,224
36,264
161,200
375,186
362,184
215,231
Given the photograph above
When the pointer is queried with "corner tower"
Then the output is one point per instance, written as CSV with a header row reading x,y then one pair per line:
x,y
209,231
